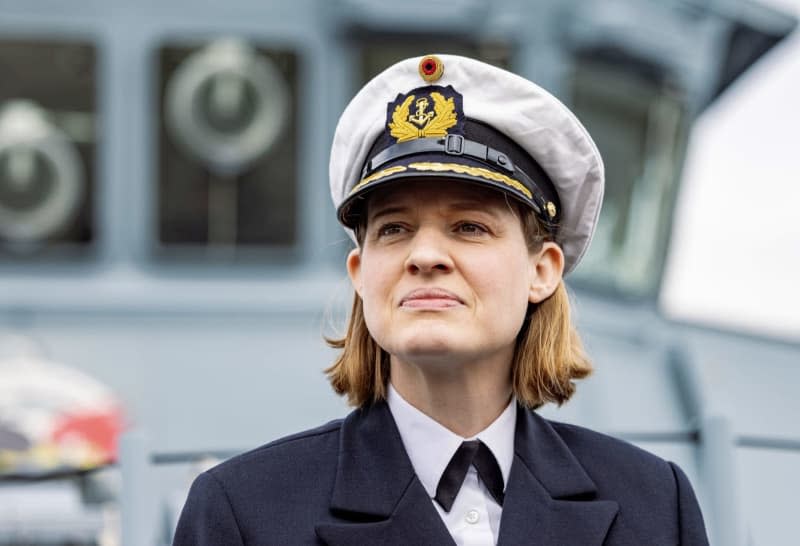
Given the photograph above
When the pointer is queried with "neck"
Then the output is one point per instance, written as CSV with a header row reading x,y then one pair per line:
x,y
464,398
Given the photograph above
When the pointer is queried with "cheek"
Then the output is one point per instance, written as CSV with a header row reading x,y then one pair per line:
x,y
376,294
505,274
374,281
505,287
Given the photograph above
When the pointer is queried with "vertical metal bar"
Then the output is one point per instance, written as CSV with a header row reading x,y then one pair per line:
x,y
716,451
137,500
122,181
688,382
718,464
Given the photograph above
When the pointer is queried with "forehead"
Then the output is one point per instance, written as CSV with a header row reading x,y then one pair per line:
x,y
455,193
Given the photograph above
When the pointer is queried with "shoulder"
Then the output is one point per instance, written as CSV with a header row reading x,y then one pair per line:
x,y
588,444
291,478
654,495
303,448
619,469
297,470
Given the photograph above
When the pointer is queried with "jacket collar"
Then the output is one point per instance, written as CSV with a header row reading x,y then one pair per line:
x,y
378,499
373,468
550,498
376,495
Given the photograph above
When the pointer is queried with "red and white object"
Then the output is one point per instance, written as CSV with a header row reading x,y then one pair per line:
x,y
69,419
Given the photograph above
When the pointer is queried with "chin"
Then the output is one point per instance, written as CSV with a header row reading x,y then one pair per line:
x,y
426,344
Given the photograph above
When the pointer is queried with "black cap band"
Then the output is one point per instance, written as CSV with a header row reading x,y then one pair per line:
x,y
457,145
481,146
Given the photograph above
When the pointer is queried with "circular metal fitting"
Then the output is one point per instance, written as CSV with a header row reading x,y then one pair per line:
x,y
42,179
226,105
431,68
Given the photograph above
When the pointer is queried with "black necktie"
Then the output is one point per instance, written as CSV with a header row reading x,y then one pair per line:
x,y
473,452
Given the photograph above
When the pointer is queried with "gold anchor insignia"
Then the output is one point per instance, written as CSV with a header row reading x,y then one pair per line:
x,y
422,117
432,124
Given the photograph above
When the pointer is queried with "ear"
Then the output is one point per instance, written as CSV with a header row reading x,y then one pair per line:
x,y
547,270
354,269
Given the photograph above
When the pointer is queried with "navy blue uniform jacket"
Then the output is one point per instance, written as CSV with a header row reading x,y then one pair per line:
x,y
350,482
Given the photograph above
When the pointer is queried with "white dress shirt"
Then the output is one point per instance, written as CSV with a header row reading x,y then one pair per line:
x,y
474,518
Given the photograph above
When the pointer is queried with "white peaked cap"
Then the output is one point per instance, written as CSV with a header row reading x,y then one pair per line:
x,y
518,109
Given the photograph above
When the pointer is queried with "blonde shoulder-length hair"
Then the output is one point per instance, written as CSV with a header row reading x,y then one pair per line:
x,y
548,356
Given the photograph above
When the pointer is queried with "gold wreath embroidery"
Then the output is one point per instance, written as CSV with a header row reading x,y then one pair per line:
x,y
444,117
377,176
472,171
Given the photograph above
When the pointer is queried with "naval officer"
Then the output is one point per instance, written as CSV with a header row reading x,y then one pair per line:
x,y
470,193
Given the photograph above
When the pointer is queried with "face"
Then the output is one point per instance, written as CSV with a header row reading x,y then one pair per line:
x,y
445,274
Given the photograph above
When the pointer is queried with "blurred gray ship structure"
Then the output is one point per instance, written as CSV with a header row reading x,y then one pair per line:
x,y
165,228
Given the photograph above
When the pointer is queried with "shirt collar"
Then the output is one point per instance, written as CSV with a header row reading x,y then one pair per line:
x,y
430,446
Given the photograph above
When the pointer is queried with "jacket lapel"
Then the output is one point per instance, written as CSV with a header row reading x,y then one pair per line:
x,y
377,498
550,498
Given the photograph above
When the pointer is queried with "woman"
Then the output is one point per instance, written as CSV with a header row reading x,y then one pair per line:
x,y
470,192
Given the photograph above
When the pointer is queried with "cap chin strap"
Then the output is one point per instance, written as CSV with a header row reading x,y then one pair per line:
x,y
450,145
457,145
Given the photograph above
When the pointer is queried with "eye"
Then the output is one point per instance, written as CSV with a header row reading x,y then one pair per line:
x,y
471,228
387,230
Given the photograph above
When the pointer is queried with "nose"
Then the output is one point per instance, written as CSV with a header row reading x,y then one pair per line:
x,y
428,253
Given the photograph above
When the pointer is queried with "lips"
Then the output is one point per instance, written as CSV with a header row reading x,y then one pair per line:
x,y
430,298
